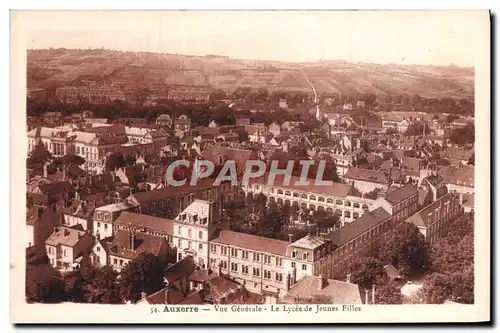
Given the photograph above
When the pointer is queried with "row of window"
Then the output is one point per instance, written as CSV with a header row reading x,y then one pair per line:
x,y
189,245
313,197
190,233
244,254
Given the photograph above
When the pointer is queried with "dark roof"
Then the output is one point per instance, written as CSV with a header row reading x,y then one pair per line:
x,y
80,208
55,188
373,176
147,222
173,191
401,194
457,153
240,156
160,297
224,290
336,189
180,269
352,230
463,176
32,216
252,242
143,243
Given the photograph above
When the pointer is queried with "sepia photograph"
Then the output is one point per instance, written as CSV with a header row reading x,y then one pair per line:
x,y
250,166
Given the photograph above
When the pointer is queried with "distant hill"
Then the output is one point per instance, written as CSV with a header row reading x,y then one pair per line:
x,y
151,71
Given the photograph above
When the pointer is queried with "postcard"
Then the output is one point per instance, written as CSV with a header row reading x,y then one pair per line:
x,y
250,166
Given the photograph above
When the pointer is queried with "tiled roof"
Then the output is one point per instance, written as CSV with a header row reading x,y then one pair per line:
x,y
173,191
66,236
463,176
412,163
55,188
367,175
160,297
240,156
359,226
309,242
147,222
180,269
337,190
400,194
251,242
339,292
224,290
143,243
80,208
457,153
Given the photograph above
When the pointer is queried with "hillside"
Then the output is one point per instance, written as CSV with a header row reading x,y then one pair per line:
x,y
135,71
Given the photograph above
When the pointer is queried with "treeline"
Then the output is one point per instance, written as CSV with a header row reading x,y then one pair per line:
x,y
89,284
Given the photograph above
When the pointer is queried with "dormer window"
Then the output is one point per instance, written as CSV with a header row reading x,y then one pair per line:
x,y
294,254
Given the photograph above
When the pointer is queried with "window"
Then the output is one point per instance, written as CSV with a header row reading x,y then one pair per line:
x,y
115,261
256,272
223,250
267,259
234,267
200,234
179,230
287,193
279,277
304,267
98,224
65,252
304,256
234,252
303,196
295,194
200,246
355,215
279,261
224,264
179,243
78,150
280,191
293,264
329,200
347,214
256,256
294,254
50,250
312,197
356,205
190,233
212,248
267,274
347,204
321,199
105,226
121,262
189,245
244,254
98,249
244,269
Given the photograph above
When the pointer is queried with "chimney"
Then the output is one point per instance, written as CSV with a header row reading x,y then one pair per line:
x,y
45,171
373,293
132,240
367,296
290,238
348,279
321,282
287,282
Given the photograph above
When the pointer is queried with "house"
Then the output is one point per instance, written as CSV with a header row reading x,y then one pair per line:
x,y
457,156
183,123
283,104
146,224
257,133
66,247
80,212
360,104
193,228
317,289
164,120
290,125
52,117
40,224
434,220
366,180
219,155
99,256
127,245
213,124
52,194
461,180
400,202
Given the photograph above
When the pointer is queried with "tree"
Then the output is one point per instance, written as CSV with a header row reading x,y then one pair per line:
x,y
143,274
68,160
217,95
406,249
417,128
462,285
73,283
391,131
38,156
368,271
43,284
325,221
114,161
463,135
103,287
389,293
436,289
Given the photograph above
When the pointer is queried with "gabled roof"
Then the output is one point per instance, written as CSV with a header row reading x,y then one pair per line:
x,y
367,175
181,269
147,222
401,194
251,242
240,156
66,236
421,218
359,226
339,292
144,243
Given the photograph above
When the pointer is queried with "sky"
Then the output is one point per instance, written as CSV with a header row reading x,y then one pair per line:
x,y
411,37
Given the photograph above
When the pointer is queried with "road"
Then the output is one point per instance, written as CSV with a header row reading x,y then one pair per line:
x,y
313,89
